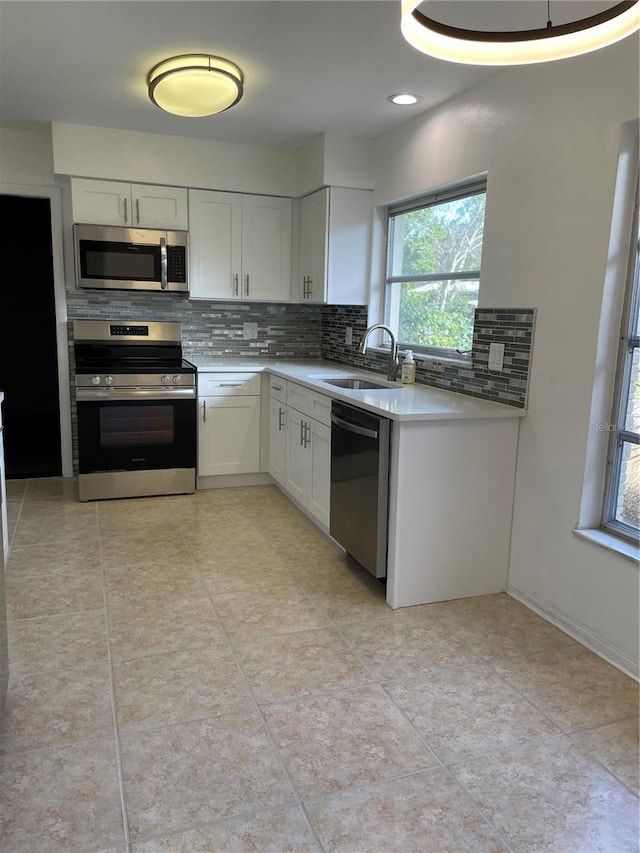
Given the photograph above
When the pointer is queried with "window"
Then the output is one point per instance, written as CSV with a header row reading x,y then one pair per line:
x,y
433,269
622,495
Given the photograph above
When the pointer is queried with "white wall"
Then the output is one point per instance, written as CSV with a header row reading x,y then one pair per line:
x,y
331,159
548,136
152,158
25,154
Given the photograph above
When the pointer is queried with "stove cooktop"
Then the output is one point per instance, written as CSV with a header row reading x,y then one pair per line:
x,y
133,365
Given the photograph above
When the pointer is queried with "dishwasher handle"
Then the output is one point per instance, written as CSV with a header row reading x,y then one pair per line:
x,y
359,430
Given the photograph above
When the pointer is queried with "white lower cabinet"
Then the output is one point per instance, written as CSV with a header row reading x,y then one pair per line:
x,y
320,448
305,443
228,424
277,440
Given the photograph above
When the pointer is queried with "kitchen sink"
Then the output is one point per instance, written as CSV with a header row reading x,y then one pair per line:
x,y
356,383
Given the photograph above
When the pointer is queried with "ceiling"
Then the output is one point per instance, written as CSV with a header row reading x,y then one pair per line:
x,y
311,66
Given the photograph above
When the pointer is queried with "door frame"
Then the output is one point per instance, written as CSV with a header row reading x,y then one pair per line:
x,y
54,195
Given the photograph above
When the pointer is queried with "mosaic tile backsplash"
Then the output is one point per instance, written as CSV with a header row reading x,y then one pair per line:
x,y
511,326
288,330
212,328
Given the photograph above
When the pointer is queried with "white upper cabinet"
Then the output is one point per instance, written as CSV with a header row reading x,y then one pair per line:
x,y
130,205
215,244
240,246
160,207
334,246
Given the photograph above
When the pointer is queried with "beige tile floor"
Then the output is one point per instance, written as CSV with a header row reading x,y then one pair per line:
x,y
210,673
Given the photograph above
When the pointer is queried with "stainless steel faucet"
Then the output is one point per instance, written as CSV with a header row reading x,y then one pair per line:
x,y
393,355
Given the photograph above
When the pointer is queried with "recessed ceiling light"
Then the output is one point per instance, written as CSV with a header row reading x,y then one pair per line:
x,y
404,100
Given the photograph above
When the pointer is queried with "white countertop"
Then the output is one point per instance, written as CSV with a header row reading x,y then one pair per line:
x,y
399,402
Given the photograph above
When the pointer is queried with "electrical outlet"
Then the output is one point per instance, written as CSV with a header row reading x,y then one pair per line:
x,y
348,336
496,356
249,331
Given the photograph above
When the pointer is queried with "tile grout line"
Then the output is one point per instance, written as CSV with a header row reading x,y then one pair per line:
x,y
549,715
112,690
267,730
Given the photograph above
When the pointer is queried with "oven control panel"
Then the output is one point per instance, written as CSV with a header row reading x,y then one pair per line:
x,y
142,331
133,380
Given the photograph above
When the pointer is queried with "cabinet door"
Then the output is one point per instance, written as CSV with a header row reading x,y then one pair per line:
x,y
320,448
228,435
101,202
215,244
277,440
298,458
159,207
312,246
348,247
266,248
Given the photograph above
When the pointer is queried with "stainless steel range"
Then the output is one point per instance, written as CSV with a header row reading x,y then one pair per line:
x,y
137,410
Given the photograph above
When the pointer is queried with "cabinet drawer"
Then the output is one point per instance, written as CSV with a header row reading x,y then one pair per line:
x,y
228,384
316,406
320,408
299,397
278,388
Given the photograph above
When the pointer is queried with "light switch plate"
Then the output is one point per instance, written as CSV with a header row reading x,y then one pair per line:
x,y
249,331
496,356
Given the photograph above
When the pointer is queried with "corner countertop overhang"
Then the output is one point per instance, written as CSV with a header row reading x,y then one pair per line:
x,y
398,402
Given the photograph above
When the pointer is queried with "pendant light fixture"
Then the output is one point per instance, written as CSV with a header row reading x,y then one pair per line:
x,y
195,84
522,47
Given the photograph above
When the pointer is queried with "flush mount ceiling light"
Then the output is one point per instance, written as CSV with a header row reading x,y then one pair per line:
x,y
404,100
195,84
522,47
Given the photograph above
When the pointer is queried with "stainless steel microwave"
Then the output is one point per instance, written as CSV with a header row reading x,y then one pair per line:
x,y
113,258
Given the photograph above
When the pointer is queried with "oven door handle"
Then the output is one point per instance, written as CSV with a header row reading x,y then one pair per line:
x,y
118,394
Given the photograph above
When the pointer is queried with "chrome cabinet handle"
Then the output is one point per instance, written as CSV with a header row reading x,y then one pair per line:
x,y
280,419
307,431
276,387
301,433
309,286
247,284
204,411
230,384
235,284
126,218
138,211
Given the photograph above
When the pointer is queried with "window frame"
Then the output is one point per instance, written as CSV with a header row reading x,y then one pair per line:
x,y
472,187
629,344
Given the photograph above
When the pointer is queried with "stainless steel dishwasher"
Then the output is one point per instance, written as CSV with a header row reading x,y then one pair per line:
x,y
360,485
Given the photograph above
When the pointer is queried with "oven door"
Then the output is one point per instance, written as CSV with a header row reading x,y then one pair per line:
x,y
145,431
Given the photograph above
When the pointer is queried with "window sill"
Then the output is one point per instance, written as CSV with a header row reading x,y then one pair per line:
x,y
607,540
427,358
443,360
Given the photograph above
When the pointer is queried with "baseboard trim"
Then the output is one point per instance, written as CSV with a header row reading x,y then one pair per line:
x,y
608,652
227,481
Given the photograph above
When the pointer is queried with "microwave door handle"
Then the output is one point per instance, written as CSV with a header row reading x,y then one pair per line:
x,y
163,263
